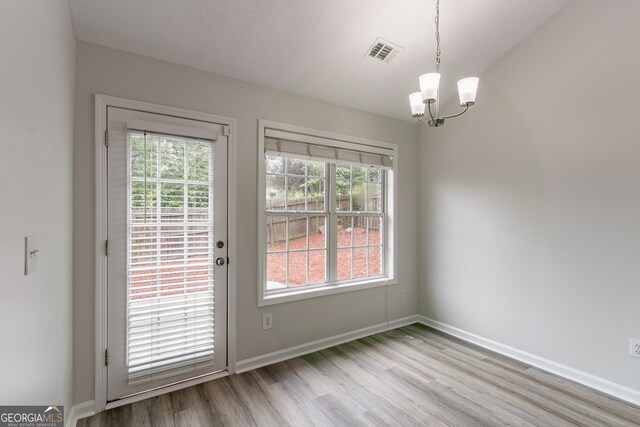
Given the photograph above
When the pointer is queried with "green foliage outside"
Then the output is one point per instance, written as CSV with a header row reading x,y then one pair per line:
x,y
170,153
309,175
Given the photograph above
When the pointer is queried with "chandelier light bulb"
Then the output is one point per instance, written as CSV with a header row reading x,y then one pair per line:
x,y
467,90
417,106
429,84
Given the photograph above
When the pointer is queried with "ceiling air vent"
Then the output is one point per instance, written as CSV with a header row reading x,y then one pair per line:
x,y
382,50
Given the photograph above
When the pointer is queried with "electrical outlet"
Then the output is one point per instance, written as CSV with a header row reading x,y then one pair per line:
x,y
635,348
267,321
403,295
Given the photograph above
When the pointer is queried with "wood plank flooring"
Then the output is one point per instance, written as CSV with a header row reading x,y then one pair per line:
x,y
410,376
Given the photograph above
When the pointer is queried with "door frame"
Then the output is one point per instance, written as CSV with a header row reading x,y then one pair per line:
x,y
101,104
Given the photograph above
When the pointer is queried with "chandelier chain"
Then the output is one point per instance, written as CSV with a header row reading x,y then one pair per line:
x,y
437,22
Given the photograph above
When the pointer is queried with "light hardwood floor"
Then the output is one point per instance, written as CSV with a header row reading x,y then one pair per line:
x,y
409,376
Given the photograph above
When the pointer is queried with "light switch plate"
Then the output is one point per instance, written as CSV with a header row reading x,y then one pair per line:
x,y
31,254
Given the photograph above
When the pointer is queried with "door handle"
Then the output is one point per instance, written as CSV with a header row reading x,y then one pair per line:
x,y
219,261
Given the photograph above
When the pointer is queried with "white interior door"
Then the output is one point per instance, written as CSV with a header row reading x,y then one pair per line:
x,y
167,250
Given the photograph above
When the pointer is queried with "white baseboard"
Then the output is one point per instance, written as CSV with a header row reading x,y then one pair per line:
x,y
613,389
79,411
310,347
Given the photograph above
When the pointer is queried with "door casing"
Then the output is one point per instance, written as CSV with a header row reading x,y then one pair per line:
x,y
101,104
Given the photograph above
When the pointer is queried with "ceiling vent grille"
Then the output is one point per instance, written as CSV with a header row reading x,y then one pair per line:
x,y
382,50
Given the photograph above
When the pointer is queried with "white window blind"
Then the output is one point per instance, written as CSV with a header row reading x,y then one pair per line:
x,y
283,144
170,255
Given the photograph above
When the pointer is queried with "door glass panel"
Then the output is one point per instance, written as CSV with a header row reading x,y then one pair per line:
x,y
170,255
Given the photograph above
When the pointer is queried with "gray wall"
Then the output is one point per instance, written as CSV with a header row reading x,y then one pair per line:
x,y
112,72
530,204
36,152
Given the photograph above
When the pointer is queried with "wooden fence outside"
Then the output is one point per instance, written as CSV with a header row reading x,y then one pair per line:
x,y
277,225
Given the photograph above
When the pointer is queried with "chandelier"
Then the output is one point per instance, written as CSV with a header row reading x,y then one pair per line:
x,y
429,98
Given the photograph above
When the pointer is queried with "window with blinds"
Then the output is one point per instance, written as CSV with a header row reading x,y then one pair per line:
x,y
326,213
170,255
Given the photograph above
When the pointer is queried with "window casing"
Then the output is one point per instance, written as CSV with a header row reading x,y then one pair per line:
x,y
327,211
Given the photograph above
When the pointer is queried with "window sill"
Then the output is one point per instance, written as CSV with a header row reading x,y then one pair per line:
x,y
266,300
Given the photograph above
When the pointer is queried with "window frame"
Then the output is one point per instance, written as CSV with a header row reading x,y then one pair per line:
x,y
390,208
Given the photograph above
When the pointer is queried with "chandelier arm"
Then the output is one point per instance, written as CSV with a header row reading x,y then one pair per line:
x,y
430,113
456,115
421,121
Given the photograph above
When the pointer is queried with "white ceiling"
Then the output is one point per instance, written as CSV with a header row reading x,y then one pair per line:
x,y
317,48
